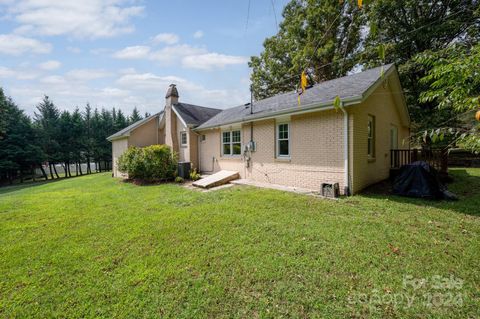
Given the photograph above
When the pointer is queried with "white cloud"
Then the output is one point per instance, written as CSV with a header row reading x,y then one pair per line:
x,y
186,55
83,75
50,65
167,38
174,53
100,51
212,60
151,88
20,74
16,45
134,52
6,72
198,34
74,49
53,80
81,19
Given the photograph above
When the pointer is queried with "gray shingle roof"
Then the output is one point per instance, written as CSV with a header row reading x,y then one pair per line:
x,y
347,87
126,131
194,114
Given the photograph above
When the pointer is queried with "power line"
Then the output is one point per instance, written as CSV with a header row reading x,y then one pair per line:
x,y
343,59
274,13
248,15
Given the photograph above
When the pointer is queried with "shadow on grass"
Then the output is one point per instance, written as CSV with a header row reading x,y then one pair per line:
x,y
5,189
465,185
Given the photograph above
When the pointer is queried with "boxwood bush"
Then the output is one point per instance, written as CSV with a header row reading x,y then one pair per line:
x,y
151,163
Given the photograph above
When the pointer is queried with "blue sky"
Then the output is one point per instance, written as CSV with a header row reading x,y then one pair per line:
x,y
124,53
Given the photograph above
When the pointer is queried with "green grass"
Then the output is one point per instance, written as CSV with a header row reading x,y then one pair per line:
x,y
96,247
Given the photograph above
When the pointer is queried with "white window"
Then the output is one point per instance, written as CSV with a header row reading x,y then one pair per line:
x,y
183,138
371,136
283,140
393,137
203,138
231,143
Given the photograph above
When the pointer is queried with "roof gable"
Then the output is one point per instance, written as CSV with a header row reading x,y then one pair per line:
x,y
193,114
126,131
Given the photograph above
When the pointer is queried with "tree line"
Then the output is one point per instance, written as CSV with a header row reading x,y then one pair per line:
x,y
330,38
54,137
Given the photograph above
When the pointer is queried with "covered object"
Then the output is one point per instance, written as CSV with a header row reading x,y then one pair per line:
x,y
419,179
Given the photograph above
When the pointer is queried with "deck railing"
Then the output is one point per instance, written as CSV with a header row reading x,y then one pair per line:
x,y
436,158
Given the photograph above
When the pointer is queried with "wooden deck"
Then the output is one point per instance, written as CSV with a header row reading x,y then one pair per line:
x,y
436,158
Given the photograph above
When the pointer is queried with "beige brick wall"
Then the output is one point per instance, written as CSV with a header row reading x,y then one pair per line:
x,y
118,147
381,105
316,148
144,135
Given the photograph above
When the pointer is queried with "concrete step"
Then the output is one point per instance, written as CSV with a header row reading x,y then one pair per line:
x,y
219,178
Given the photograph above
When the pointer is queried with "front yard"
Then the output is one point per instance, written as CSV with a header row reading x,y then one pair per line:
x,y
96,247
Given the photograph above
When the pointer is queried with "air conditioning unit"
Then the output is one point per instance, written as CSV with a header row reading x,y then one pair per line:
x,y
184,170
330,190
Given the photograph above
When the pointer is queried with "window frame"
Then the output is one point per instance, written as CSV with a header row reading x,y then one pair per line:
x,y
231,143
393,137
278,140
183,133
371,137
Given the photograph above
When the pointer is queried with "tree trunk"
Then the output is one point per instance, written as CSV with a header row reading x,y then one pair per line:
x,y
43,172
99,166
65,168
89,169
55,170
51,170
69,172
80,168
33,173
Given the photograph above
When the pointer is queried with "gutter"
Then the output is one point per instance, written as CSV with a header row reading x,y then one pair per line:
x,y
309,108
346,151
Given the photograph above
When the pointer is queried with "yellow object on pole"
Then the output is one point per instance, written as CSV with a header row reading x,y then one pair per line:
x,y
303,85
477,116
360,3
303,81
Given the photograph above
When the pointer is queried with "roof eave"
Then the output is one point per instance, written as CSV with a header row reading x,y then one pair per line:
x,y
290,111
115,138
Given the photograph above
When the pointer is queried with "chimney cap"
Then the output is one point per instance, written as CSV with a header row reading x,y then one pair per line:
x,y
172,91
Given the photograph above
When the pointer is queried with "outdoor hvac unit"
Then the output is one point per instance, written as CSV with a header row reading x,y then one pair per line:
x,y
184,170
330,190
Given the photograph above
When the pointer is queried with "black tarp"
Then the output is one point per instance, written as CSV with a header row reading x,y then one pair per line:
x,y
419,179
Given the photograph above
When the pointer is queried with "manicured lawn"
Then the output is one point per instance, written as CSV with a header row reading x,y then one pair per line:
x,y
96,247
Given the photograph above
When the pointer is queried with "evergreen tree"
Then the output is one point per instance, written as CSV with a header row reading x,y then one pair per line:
x,y
47,120
66,138
120,120
135,117
88,142
19,151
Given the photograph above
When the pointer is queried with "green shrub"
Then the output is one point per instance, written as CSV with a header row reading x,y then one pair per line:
x,y
151,163
194,175
179,179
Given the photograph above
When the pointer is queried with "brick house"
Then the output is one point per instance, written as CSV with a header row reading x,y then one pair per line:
x,y
277,141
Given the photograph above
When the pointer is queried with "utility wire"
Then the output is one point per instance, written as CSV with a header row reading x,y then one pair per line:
x,y
274,13
338,60
248,15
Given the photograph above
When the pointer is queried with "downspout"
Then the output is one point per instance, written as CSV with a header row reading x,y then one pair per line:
x,y
346,151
